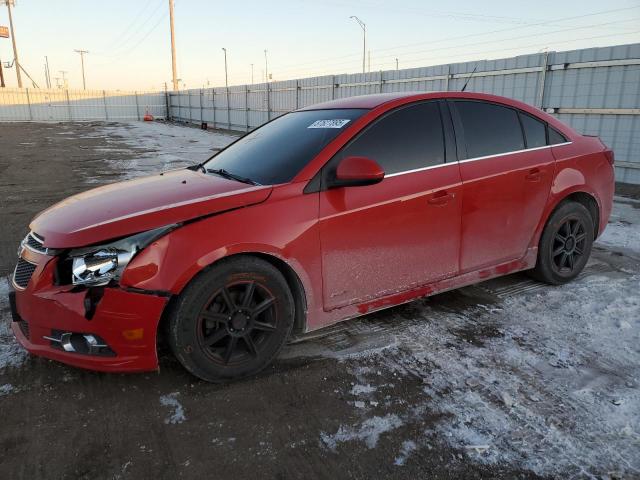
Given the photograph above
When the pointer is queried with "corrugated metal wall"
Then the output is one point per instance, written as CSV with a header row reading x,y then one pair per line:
x,y
595,90
28,104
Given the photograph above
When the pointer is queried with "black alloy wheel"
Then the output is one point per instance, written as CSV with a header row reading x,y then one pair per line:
x,y
569,245
565,244
232,319
237,321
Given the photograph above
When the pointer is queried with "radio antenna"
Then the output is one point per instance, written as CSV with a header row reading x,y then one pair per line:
x,y
469,78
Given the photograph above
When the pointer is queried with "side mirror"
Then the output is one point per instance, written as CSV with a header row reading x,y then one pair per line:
x,y
357,172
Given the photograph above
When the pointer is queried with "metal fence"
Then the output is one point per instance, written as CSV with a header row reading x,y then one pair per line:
x,y
28,104
595,90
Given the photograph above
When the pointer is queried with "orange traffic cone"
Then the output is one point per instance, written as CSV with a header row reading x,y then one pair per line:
x,y
148,117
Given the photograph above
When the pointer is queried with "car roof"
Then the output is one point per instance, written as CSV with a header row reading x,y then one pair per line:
x,y
375,100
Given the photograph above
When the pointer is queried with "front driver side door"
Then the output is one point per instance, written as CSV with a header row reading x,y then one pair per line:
x,y
401,233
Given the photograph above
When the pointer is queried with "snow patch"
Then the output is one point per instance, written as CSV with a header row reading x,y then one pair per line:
x,y
546,379
362,389
6,389
623,229
368,432
157,146
408,447
11,353
171,401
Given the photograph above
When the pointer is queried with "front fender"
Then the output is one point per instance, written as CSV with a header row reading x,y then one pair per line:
x,y
284,227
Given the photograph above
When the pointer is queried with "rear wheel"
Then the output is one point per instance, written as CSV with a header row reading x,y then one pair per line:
x,y
232,320
565,244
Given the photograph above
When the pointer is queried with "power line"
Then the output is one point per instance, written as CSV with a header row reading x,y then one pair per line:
x,y
122,44
392,55
459,37
122,37
137,44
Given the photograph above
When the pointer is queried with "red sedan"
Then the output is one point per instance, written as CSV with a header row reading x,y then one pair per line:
x,y
321,215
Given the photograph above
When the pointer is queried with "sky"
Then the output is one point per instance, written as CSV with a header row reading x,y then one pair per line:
x,y
129,40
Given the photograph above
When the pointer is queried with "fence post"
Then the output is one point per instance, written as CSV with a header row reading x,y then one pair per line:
x,y
104,100
69,105
297,94
213,104
381,81
201,108
246,105
190,111
446,83
228,111
333,87
29,104
268,89
167,103
137,106
543,79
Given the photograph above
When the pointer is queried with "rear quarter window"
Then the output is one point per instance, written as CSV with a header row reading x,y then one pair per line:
x,y
555,137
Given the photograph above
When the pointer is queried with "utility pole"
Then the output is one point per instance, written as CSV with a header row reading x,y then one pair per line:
x,y
252,73
364,40
226,77
64,79
266,68
396,64
226,84
82,53
46,71
9,4
173,47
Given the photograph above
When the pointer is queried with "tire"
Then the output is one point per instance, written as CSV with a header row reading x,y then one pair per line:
x,y
565,244
232,320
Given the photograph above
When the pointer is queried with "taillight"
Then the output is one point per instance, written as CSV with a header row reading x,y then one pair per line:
x,y
610,156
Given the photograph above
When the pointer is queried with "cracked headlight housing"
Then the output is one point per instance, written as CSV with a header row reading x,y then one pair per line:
x,y
99,265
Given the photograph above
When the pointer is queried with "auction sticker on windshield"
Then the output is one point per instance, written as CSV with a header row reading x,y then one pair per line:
x,y
336,123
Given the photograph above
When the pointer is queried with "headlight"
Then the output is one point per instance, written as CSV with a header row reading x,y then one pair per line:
x,y
100,264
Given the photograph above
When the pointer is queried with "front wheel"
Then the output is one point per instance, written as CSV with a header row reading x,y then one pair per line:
x,y
232,320
565,244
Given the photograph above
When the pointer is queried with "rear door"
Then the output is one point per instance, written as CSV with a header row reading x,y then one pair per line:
x,y
506,180
403,232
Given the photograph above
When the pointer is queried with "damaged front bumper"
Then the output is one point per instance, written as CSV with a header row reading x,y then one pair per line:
x,y
102,328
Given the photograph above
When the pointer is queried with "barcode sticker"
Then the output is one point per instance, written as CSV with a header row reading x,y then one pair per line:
x,y
336,123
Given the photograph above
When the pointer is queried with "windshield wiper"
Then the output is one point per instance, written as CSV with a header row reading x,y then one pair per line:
x,y
226,174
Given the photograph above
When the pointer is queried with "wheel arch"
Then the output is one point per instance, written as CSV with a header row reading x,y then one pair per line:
x,y
580,195
292,278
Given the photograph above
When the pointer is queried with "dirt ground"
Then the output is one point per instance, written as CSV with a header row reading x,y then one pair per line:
x,y
360,400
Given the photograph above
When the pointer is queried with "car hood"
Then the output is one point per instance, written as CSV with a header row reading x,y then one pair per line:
x,y
142,204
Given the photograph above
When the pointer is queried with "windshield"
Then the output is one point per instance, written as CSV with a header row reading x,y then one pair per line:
x,y
276,152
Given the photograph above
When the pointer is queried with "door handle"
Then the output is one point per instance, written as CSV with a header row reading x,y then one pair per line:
x,y
441,197
534,175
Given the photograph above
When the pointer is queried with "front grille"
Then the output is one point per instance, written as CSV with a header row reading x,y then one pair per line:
x,y
35,243
23,272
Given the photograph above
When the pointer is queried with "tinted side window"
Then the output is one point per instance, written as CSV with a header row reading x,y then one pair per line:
x,y
407,139
555,137
489,129
534,131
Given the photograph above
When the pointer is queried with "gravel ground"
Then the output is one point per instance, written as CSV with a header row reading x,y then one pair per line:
x,y
506,379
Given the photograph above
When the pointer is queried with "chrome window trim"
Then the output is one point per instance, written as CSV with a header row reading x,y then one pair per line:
x,y
475,158
420,169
